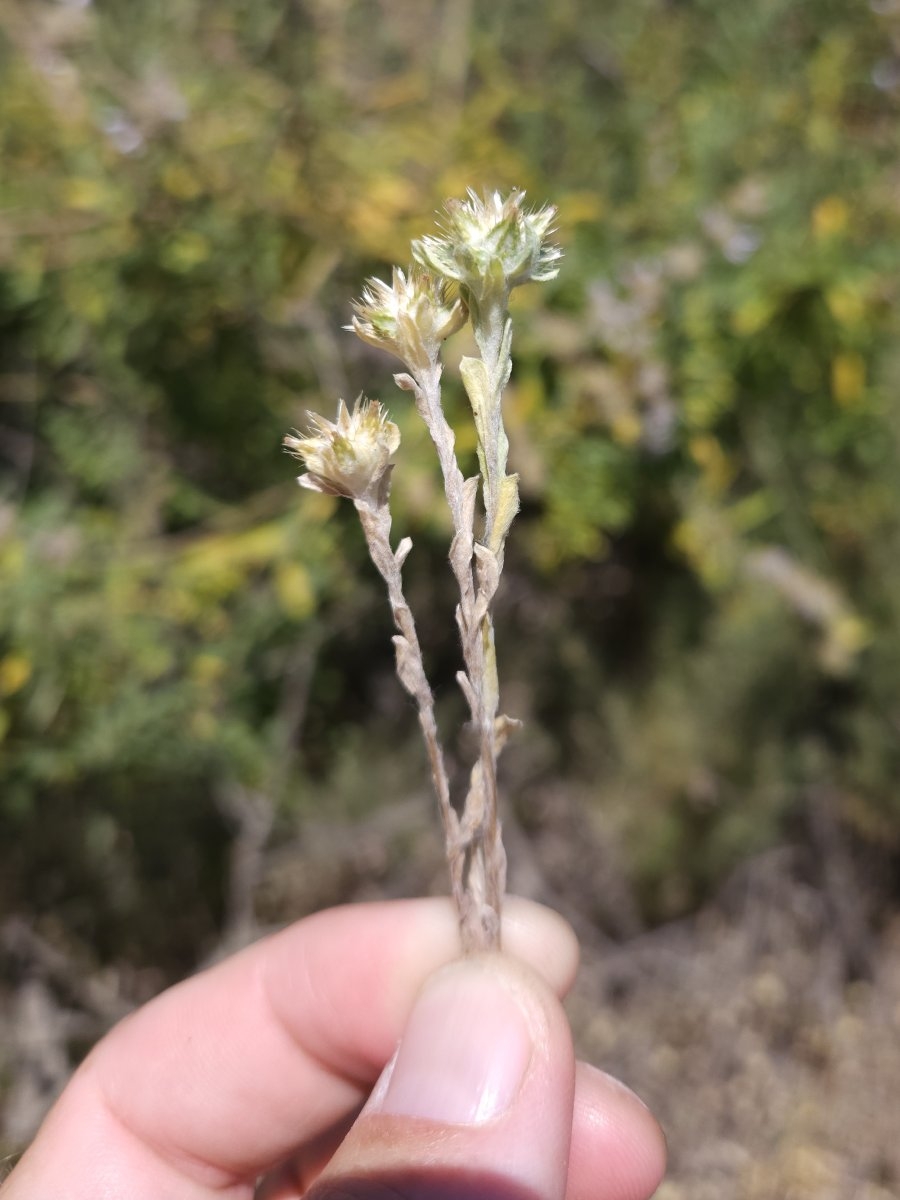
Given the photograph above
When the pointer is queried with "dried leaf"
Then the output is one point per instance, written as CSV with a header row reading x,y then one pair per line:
x,y
408,668
461,545
488,570
504,728
470,496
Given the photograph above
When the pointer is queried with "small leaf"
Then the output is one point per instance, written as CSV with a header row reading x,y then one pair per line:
x,y
409,670
475,378
470,496
461,552
478,389
461,546
461,623
488,573
504,727
507,507
405,382
402,551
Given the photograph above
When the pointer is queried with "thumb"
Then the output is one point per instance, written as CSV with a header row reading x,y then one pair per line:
x,y
477,1102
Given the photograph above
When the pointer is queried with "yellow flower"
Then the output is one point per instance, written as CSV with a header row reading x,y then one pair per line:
x,y
350,456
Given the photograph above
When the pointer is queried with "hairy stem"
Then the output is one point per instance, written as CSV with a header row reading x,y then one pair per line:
x,y
376,524
484,858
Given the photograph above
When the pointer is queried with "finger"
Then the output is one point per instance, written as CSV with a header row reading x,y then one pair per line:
x,y
222,1076
478,1101
618,1149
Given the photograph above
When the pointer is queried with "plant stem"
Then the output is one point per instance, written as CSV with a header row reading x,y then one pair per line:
x,y
490,317
376,524
484,875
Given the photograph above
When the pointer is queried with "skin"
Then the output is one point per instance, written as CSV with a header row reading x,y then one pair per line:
x,y
250,1078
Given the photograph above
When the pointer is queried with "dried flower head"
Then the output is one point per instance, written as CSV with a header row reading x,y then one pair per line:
x,y
490,240
409,317
350,456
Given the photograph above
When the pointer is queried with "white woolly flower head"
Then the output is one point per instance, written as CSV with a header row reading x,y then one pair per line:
x,y
408,317
350,456
488,240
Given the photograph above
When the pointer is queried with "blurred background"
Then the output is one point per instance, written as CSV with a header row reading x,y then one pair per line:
x,y
201,735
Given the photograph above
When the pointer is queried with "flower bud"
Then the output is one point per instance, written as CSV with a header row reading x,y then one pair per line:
x,y
350,456
409,317
489,242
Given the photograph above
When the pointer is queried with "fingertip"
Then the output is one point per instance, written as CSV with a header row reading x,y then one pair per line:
x,y
543,940
618,1147
427,936
477,1101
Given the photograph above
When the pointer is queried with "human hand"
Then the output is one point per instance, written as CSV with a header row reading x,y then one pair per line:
x,y
247,1080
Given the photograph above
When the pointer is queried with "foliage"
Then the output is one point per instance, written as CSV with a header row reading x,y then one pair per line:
x,y
704,614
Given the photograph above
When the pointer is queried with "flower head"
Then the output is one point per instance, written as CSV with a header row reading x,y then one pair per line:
x,y
488,240
409,317
350,456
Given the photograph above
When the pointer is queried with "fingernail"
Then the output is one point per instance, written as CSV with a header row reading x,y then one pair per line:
x,y
464,1053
